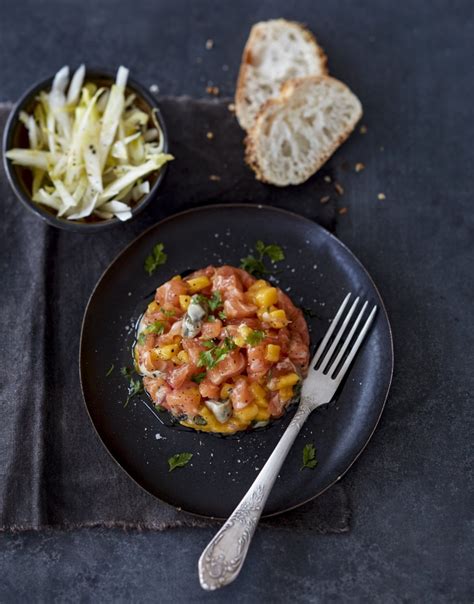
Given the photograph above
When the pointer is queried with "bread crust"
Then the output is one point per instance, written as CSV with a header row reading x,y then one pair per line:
x,y
287,90
241,100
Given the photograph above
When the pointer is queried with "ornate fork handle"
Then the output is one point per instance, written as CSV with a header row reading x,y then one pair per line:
x,y
221,561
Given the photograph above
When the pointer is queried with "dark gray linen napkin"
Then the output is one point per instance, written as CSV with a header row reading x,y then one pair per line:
x,y
54,472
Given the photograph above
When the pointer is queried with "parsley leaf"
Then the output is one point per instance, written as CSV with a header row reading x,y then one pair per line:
x,y
155,259
222,316
215,301
135,386
112,367
198,377
215,354
126,372
255,265
157,327
167,313
179,460
309,457
200,299
255,337
141,339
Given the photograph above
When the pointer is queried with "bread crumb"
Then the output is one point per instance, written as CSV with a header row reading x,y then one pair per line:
x,y
342,211
339,188
231,107
209,44
214,177
324,199
363,129
327,178
210,135
154,89
382,148
198,59
359,167
213,90
381,196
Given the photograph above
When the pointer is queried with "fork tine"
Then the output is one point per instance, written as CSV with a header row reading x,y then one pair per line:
x,y
347,341
356,346
329,332
327,357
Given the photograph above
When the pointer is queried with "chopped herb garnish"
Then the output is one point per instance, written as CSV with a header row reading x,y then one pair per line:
x,y
142,338
309,457
215,301
155,259
215,354
179,460
255,337
135,386
255,265
160,408
112,367
158,327
167,313
198,377
126,372
222,316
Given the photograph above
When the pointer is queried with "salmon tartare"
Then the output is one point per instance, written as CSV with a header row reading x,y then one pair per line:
x,y
221,350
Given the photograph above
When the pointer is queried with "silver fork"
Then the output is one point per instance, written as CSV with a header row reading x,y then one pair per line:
x,y
221,561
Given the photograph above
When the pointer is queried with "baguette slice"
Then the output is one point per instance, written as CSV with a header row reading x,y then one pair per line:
x,y
296,133
276,51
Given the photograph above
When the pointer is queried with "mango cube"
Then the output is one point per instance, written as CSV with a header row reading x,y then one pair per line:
x,y
266,296
184,301
272,353
198,283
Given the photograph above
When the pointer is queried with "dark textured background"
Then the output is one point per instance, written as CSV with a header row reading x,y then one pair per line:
x,y
411,65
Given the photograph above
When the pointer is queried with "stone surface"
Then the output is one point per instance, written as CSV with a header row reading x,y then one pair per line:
x,y
411,65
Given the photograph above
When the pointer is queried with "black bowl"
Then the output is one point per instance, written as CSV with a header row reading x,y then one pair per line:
x,y
15,135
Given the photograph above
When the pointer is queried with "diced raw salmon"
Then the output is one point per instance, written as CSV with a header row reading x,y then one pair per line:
x,y
299,352
208,389
257,365
241,395
193,348
185,399
211,330
181,374
275,405
227,282
230,365
167,295
157,389
237,309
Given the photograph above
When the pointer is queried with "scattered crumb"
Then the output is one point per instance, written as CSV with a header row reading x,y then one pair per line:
x,y
198,59
342,211
339,188
225,67
209,44
154,88
381,196
359,167
363,129
213,90
214,177
324,199
327,178
210,135
382,148
231,107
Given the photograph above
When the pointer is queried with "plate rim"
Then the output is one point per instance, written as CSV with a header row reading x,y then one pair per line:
x,y
241,205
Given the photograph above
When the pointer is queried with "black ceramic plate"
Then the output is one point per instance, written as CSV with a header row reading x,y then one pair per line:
x,y
317,273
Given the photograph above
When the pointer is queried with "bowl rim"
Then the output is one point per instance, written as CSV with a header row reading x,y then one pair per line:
x,y
92,73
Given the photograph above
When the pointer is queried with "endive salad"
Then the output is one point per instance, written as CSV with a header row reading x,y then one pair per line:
x,y
91,148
